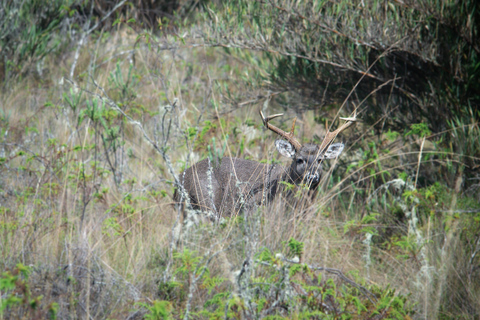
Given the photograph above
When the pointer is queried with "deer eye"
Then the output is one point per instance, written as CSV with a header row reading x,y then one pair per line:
x,y
299,161
319,160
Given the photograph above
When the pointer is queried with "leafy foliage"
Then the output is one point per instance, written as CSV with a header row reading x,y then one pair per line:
x,y
17,296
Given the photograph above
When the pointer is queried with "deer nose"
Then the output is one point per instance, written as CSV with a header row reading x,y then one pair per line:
x,y
312,177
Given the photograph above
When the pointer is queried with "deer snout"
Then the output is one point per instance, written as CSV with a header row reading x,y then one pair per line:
x,y
312,177
313,174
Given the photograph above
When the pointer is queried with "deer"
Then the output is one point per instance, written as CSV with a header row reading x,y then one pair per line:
x,y
226,188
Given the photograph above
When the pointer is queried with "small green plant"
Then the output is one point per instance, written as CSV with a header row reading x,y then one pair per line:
x,y
392,135
418,129
409,248
296,248
73,99
354,227
16,295
188,260
287,185
158,310
215,155
208,126
122,85
111,227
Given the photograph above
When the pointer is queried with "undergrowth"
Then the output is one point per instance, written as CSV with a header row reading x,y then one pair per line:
x,y
96,126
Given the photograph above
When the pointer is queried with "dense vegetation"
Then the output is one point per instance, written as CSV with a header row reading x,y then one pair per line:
x,y
103,105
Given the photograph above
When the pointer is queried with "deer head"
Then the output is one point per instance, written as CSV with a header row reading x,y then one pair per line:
x,y
306,166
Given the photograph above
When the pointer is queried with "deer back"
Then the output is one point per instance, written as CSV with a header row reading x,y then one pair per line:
x,y
198,186
245,183
233,185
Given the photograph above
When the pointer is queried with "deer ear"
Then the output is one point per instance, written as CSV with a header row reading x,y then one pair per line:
x,y
285,148
333,151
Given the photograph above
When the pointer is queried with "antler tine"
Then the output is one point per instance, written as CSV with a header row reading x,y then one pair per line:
x,y
266,119
330,136
289,136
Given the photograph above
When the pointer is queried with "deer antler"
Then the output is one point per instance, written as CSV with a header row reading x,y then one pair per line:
x,y
330,136
289,136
